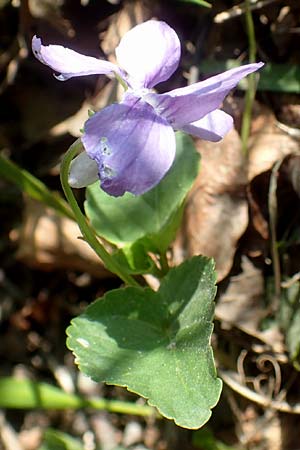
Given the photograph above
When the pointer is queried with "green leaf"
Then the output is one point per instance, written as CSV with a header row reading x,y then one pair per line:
x,y
289,320
205,440
154,216
272,77
198,2
56,440
34,187
293,339
280,78
135,259
157,344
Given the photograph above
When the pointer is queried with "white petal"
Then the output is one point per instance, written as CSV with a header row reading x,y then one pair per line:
x,y
83,171
149,53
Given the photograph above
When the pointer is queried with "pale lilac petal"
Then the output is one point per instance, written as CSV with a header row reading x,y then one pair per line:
x,y
185,105
69,63
132,145
149,53
83,171
211,127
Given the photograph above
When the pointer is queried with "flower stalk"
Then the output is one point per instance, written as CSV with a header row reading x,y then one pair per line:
x,y
87,231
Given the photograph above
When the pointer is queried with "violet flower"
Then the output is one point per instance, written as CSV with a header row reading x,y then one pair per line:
x,y
130,145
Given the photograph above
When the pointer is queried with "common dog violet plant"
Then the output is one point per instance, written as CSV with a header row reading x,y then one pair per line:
x,y
155,343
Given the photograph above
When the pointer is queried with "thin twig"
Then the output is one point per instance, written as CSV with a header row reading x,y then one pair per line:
x,y
239,10
272,205
230,379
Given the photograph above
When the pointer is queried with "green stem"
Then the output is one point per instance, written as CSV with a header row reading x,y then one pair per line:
x,y
87,231
250,93
29,394
122,407
121,81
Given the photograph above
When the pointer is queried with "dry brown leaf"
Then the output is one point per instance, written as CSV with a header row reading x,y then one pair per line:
x,y
290,169
216,213
131,14
49,241
240,305
51,12
268,143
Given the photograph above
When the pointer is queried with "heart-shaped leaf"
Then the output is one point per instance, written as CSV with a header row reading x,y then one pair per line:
x,y
157,344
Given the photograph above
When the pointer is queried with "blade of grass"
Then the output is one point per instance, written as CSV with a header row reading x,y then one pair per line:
x,y
34,187
198,2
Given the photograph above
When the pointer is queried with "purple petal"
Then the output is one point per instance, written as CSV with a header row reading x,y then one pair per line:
x,y
149,53
185,105
69,63
83,171
132,145
211,127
